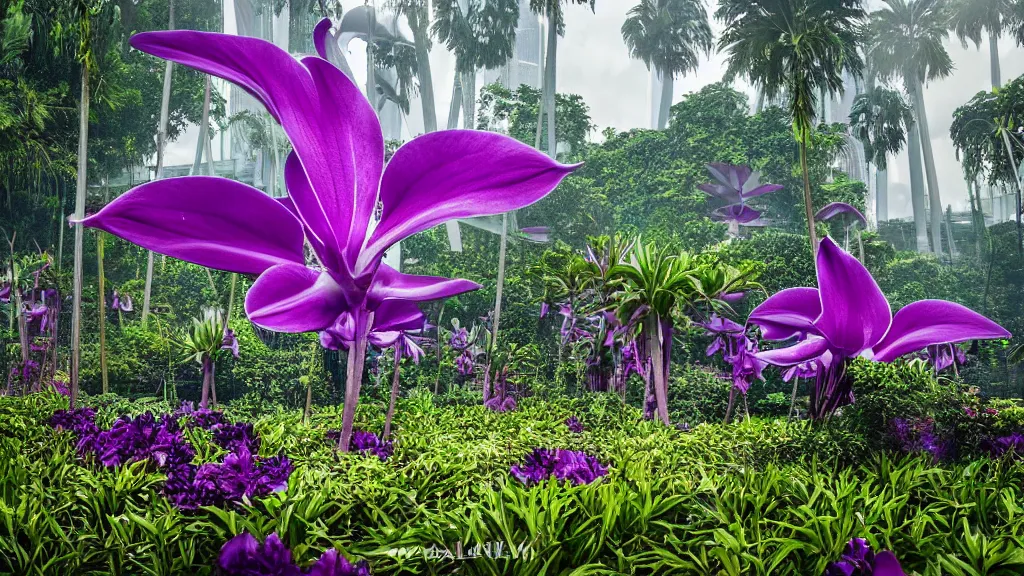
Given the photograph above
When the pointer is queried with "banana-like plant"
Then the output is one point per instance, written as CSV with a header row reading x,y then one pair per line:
x,y
208,339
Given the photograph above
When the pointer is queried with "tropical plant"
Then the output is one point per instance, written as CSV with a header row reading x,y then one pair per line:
x,y
669,36
880,119
971,18
460,174
205,343
796,48
907,44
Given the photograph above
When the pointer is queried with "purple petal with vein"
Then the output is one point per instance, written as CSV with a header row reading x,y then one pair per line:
x,y
836,208
928,322
198,219
389,283
293,298
854,312
806,350
787,313
451,174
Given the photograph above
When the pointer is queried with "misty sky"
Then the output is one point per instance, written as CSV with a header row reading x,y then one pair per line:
x,y
594,63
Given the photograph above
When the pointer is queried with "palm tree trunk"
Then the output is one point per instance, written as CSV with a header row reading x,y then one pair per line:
x,y
204,129
549,82
394,391
808,203
917,188
934,199
469,100
204,399
759,101
993,53
161,143
667,81
80,189
498,293
540,103
453,109
1016,181
421,37
881,195
354,377
654,330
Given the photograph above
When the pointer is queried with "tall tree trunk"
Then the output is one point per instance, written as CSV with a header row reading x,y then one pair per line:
x,y
394,390
102,304
882,195
1016,181
917,188
759,101
949,233
421,37
207,369
469,100
934,199
354,376
808,203
80,189
161,143
657,346
437,379
993,54
204,130
456,105
550,74
667,84
540,103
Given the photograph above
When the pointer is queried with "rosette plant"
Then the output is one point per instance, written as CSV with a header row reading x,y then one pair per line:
x,y
734,185
847,316
207,340
341,199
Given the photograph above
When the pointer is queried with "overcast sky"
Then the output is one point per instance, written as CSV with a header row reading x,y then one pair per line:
x,y
594,63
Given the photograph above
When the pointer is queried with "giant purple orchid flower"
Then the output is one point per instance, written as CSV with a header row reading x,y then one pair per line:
x,y
342,200
735,185
848,316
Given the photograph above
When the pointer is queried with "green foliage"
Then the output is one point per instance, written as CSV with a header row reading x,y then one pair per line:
x,y
697,395
515,113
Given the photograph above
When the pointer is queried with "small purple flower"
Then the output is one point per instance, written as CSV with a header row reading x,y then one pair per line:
x,y
464,363
501,404
243,555
564,465
459,339
544,307
734,185
5,292
942,356
366,443
1012,444
920,436
230,342
80,421
331,563
236,436
574,425
122,303
859,560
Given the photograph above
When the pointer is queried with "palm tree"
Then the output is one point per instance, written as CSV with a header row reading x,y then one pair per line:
x,y
972,17
552,10
669,35
908,44
418,15
481,35
799,48
879,119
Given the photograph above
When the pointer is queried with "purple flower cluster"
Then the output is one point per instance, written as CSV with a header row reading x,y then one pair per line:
x,y
859,560
501,404
738,350
920,436
366,443
564,465
464,363
236,437
240,475
1012,444
243,555
80,421
144,437
574,425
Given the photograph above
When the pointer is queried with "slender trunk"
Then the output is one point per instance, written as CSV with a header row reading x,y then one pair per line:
x,y
275,159
102,304
860,245
354,377
1016,181
213,383
502,249
540,103
469,100
881,195
161,143
917,188
667,85
308,410
207,369
759,102
453,109
949,233
808,203
934,199
732,403
993,53
371,67
437,379
549,85
204,130
792,400
421,38
654,328
394,390
83,166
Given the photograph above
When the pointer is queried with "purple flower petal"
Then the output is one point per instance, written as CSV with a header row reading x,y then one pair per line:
x,y
727,194
886,564
740,213
731,175
452,174
238,550
806,350
928,322
321,34
397,315
293,298
788,313
389,283
854,312
198,219
836,208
